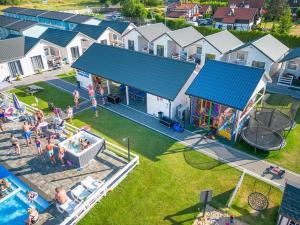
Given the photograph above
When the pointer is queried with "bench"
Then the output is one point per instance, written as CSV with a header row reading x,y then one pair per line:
x,y
166,121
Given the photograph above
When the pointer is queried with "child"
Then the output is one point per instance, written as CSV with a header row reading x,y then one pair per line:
x,y
69,112
49,149
37,143
15,143
31,196
76,98
61,155
94,106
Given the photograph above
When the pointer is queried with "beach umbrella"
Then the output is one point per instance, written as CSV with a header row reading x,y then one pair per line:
x,y
16,102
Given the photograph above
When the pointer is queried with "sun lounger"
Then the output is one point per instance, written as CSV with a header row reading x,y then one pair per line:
x,y
91,184
80,193
69,206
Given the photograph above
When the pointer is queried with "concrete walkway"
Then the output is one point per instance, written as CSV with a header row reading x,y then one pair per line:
x,y
233,157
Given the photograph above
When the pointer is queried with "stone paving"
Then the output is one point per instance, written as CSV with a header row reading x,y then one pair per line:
x,y
43,177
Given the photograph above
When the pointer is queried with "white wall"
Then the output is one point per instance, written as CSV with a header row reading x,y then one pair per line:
x,y
207,48
156,104
84,78
4,71
132,35
163,40
239,26
35,31
108,35
75,42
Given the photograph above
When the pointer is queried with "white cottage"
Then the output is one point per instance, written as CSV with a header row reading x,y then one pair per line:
x,y
22,56
185,44
264,53
215,45
141,38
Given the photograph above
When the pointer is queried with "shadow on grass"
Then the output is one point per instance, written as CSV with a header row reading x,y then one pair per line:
x,y
189,214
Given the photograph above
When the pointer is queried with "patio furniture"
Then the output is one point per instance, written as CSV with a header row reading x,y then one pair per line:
x,y
80,193
91,184
166,121
275,171
137,94
113,98
69,206
33,89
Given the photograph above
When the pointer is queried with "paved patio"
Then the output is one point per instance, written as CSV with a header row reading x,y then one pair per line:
x,y
212,148
43,177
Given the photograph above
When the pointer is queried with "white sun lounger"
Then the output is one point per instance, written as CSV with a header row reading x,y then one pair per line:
x,y
69,206
91,184
80,193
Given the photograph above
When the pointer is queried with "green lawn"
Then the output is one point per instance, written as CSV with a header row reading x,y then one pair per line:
x,y
69,77
60,98
289,156
164,188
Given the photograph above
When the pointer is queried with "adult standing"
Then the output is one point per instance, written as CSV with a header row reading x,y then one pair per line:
x,y
94,106
76,97
15,143
69,112
27,133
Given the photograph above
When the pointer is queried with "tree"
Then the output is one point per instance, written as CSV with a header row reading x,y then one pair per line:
x,y
106,3
134,9
277,8
10,2
285,22
298,12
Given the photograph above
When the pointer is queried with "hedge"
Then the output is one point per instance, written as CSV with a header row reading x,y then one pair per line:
x,y
291,41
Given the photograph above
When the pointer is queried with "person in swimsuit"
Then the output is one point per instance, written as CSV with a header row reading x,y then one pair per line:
x,y
31,196
49,149
76,98
39,116
94,106
60,195
69,112
61,155
2,116
27,133
15,143
38,144
33,216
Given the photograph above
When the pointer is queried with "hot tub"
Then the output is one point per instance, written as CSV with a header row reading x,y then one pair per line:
x,y
80,157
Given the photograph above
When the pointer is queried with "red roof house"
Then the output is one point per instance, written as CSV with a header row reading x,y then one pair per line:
x,y
257,4
188,10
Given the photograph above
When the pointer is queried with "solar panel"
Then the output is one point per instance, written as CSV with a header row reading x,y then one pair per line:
x,y
5,21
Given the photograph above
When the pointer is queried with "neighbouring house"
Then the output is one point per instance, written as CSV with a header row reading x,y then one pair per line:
x,y
235,18
100,34
290,70
223,95
69,44
256,4
121,27
22,56
182,44
140,38
145,82
204,10
289,212
294,5
215,45
61,20
264,52
180,9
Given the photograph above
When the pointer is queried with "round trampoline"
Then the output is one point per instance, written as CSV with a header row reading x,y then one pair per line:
x,y
263,138
274,119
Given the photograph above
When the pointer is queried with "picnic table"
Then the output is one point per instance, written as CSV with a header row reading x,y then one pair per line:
x,y
33,89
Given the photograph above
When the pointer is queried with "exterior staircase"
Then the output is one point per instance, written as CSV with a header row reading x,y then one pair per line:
x,y
285,80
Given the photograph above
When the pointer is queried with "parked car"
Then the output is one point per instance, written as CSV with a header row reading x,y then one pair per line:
x,y
202,22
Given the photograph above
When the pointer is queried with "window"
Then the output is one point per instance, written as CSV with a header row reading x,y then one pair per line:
x,y
199,50
258,64
209,56
131,44
241,56
115,37
104,42
75,52
15,68
37,63
291,65
160,50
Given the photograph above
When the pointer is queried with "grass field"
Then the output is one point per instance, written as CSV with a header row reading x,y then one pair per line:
x,y
57,5
60,98
289,156
69,77
164,188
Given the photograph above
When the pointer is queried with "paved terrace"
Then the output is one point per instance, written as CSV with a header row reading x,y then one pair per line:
x,y
43,177
212,148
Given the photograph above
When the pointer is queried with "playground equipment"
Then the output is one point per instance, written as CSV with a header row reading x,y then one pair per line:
x,y
257,200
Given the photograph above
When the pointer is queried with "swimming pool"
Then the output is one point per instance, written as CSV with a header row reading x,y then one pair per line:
x,y
14,205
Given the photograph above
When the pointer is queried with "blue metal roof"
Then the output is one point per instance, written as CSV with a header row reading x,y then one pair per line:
x,y
79,18
290,205
21,25
59,37
159,76
225,83
90,30
292,54
5,21
13,9
119,26
30,42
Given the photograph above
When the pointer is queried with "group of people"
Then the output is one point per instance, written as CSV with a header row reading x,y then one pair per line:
x,y
4,187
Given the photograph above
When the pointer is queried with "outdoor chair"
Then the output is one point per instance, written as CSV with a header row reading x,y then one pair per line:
x,y
91,184
69,206
80,193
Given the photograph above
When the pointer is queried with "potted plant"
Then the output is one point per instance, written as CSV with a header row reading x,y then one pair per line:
x,y
18,77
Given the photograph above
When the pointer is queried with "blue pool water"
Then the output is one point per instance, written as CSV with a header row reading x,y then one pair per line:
x,y
13,207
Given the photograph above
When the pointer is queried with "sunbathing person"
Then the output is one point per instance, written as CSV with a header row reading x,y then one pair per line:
x,y
60,195
33,216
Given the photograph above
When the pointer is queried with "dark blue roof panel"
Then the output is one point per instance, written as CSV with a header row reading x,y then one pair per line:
x,y
30,42
21,25
32,12
292,54
79,18
290,205
225,83
5,21
56,15
59,37
13,9
119,26
159,76
90,30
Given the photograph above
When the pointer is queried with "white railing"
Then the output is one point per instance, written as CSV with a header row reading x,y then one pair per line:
x,y
239,184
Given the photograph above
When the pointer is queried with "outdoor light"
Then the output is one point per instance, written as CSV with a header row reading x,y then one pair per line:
x,y
128,147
